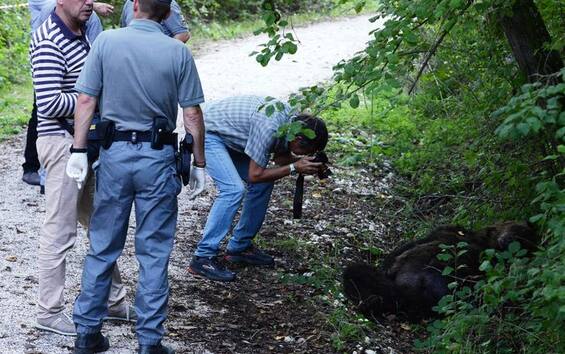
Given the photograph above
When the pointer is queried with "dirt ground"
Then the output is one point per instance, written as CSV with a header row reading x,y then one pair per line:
x,y
262,312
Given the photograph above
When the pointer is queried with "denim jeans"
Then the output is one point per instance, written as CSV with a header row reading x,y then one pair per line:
x,y
230,170
131,173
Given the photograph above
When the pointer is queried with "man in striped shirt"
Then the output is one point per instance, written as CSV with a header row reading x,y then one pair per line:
x,y
39,11
58,51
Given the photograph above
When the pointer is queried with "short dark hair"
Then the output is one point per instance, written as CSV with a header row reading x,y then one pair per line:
x,y
316,124
156,10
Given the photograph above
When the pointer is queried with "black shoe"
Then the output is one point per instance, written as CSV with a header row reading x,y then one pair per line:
x,y
250,256
91,343
210,268
31,178
155,349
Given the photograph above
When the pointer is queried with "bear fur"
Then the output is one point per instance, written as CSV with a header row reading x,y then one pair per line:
x,y
409,281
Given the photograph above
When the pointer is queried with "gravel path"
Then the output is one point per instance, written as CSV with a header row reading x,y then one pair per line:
x,y
225,69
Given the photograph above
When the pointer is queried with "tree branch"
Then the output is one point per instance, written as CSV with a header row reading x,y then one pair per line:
x,y
434,49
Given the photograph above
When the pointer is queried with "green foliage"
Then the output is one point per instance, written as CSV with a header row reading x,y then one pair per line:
x,y
15,89
230,10
498,314
462,163
14,41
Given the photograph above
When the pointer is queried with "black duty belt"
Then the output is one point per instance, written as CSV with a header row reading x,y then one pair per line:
x,y
143,137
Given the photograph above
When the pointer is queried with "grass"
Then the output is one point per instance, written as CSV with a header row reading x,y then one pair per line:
x,y
15,108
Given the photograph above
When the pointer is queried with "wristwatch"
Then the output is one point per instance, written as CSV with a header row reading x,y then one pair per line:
x,y
293,171
79,150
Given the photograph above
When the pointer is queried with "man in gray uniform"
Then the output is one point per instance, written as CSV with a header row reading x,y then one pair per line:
x,y
174,26
140,77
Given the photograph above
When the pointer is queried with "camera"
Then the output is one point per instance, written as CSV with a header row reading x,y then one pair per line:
x,y
325,171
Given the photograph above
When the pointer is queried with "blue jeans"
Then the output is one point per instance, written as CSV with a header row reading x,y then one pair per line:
x,y
131,173
230,170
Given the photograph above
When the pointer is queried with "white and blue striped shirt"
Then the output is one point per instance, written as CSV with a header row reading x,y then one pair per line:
x,y
57,56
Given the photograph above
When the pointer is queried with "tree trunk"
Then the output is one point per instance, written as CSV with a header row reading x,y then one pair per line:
x,y
527,34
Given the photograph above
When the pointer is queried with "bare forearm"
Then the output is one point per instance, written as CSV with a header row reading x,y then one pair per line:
x,y
183,37
194,124
259,175
286,159
85,108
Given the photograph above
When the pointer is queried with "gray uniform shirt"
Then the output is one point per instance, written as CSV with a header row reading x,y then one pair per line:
x,y
139,73
172,25
246,128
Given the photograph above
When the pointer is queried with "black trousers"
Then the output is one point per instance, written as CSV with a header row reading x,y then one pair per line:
x,y
31,163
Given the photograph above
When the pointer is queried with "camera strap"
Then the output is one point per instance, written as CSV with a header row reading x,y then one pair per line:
x,y
298,197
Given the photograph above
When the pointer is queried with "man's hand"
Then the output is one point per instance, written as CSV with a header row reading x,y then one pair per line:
x,y
103,9
77,167
197,181
305,166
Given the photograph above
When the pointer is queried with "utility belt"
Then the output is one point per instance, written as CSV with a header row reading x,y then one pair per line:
x,y
158,136
102,133
157,142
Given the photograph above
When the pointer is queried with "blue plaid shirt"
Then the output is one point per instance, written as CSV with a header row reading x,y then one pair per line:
x,y
240,124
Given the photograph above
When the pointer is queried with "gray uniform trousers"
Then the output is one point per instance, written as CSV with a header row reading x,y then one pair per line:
x,y
131,173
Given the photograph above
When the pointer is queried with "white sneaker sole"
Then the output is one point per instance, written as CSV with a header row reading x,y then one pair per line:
x,y
45,328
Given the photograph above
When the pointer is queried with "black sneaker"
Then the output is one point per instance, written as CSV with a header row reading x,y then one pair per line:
x,y
155,349
250,256
91,343
210,268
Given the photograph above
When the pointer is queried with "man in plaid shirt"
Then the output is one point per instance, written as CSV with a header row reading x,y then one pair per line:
x,y
240,139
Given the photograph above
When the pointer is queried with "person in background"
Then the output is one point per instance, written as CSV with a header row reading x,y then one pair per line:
x,y
174,26
39,12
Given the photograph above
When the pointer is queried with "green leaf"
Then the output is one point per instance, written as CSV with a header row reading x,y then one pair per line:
x,y
485,266
444,257
309,133
269,110
447,271
354,101
280,106
523,128
292,48
514,247
536,218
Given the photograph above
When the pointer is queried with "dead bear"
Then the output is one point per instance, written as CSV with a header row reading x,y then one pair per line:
x,y
409,281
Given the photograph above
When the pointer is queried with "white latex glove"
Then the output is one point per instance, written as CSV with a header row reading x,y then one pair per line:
x,y
77,167
196,182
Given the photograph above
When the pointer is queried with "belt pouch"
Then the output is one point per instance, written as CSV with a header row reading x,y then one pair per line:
x,y
159,129
105,131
